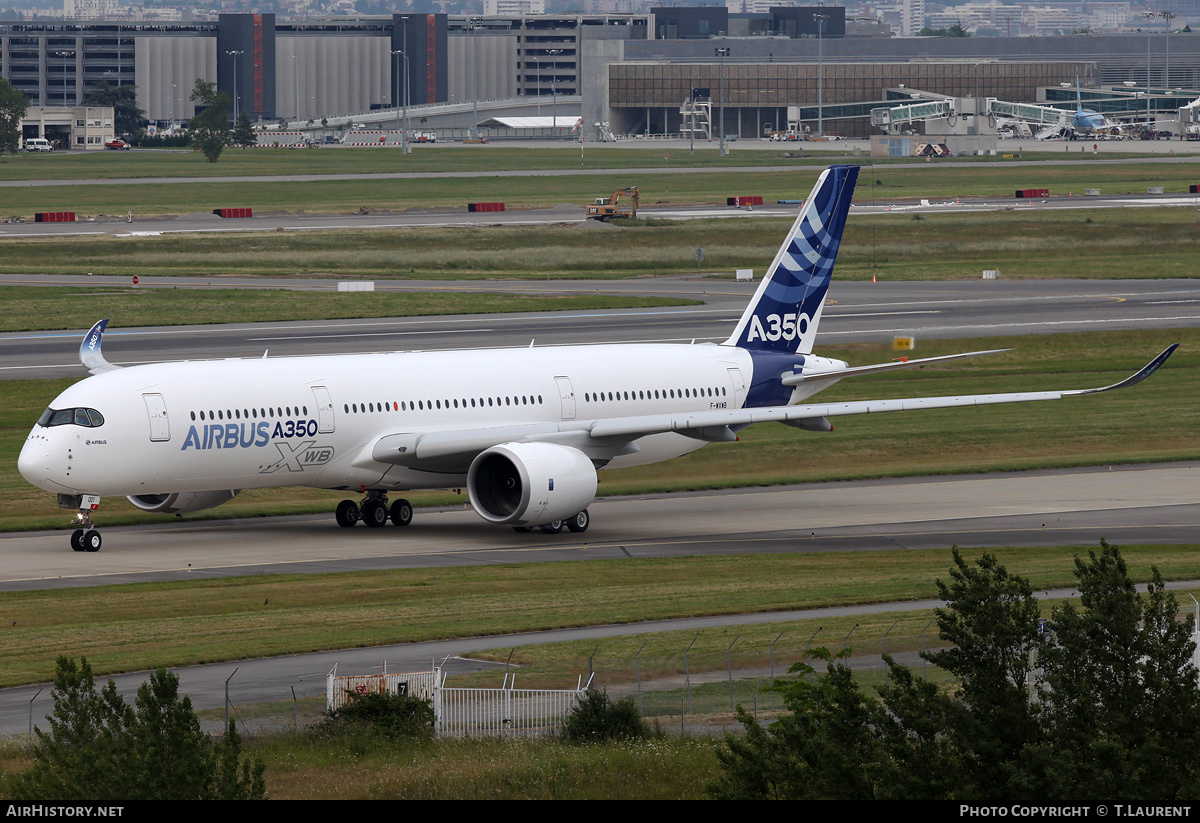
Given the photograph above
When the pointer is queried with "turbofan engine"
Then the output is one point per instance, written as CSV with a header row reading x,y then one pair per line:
x,y
181,502
530,484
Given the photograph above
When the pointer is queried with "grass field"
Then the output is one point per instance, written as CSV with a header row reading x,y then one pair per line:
x,y
135,626
139,626
699,186
27,309
236,162
1090,243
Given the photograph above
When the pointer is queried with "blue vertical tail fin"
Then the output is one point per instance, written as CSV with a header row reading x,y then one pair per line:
x,y
785,311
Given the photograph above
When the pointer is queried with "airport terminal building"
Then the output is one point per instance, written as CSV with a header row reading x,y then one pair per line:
x,y
627,74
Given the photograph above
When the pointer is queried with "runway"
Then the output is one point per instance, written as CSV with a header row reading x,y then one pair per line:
x,y
856,312
1130,504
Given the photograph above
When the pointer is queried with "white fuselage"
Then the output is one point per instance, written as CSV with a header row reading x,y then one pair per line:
x,y
310,421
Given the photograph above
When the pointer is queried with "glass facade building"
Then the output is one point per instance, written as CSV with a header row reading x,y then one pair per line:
x,y
646,97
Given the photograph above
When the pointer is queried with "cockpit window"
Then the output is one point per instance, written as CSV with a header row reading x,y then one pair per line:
x,y
89,418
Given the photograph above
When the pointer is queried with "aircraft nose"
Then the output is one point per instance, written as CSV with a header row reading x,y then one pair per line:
x,y
34,461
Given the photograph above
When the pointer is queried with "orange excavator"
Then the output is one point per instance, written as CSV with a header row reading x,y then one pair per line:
x,y
606,209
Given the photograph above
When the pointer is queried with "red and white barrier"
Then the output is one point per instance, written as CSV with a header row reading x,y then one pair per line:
x,y
281,140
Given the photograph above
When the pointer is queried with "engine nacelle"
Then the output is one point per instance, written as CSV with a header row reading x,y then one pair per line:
x,y
530,484
181,502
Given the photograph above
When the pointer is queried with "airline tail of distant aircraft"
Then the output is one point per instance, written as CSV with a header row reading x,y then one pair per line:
x,y
785,311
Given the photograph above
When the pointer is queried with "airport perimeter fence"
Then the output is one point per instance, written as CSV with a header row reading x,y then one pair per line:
x,y
695,684
679,681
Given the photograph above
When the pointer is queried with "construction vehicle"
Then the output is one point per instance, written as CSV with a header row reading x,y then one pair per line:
x,y
606,209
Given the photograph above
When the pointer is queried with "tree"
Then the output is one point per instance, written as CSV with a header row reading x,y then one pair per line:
x,y
991,620
128,118
101,749
791,759
956,30
208,130
1122,708
1118,708
838,743
13,105
596,718
243,133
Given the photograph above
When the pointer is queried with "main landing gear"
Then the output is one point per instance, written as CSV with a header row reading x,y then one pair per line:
x,y
579,523
374,511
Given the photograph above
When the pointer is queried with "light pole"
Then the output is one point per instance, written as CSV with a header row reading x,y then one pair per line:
x,y
820,20
553,96
235,55
1167,17
402,98
172,132
692,116
722,53
1148,15
65,55
296,86
475,23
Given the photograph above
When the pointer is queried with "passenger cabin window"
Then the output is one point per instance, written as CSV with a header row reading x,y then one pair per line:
x,y
89,418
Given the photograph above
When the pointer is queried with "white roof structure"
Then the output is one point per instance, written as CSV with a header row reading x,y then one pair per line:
x,y
563,122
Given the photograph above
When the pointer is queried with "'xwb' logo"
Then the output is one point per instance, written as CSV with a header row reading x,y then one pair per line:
x,y
300,457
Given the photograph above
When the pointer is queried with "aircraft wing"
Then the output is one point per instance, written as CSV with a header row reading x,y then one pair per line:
x,y
605,439
687,423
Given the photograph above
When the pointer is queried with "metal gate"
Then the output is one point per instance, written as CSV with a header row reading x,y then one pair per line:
x,y
467,712
414,684
504,712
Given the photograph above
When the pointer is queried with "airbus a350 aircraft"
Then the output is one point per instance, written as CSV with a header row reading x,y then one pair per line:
x,y
523,430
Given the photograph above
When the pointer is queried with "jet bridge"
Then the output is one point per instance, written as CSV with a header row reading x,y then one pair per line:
x,y
1045,121
893,118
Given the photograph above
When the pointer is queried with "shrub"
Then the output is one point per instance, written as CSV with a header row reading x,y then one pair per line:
x,y
394,716
597,718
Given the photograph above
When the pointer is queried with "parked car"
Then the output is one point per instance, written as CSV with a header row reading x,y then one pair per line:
x,y
117,143
38,144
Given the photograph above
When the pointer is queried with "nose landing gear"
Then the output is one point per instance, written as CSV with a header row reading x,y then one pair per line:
x,y
85,540
87,537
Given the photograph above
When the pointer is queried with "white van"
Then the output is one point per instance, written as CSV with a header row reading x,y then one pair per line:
x,y
38,144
